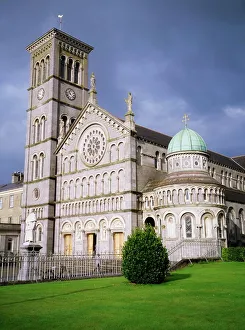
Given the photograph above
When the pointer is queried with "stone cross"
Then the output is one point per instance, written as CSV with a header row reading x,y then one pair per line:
x,y
185,119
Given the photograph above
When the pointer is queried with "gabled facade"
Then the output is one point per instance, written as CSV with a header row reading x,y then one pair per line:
x,y
91,178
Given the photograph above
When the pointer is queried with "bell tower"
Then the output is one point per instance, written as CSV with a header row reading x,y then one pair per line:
x,y
58,92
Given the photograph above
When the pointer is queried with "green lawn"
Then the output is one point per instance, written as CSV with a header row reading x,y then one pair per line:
x,y
203,296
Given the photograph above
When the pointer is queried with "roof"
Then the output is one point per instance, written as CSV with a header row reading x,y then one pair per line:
x,y
192,177
187,140
240,160
164,140
10,186
233,195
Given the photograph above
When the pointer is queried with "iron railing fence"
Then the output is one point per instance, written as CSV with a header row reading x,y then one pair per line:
x,y
37,267
195,249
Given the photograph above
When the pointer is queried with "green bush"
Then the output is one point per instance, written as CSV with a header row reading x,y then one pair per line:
x,y
145,260
233,254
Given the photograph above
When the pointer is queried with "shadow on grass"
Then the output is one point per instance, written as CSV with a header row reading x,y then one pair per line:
x,y
56,295
177,277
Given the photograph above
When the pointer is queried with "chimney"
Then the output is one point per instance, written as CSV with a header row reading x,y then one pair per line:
x,y
17,177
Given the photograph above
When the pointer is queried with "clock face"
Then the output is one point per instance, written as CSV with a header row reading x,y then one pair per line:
x,y
93,145
40,93
70,94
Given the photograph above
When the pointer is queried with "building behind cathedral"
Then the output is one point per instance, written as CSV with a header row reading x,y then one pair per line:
x,y
91,178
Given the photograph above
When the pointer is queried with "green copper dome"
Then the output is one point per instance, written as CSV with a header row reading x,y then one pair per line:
x,y
187,140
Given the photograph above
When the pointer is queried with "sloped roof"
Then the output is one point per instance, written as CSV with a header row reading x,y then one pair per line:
x,y
10,186
233,195
240,160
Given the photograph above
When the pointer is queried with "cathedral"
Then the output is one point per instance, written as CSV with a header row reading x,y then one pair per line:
x,y
90,178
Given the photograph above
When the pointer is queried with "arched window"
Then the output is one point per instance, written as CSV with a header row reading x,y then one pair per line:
x,y
43,71
42,128
39,234
62,66
36,131
163,161
37,74
47,71
171,226
188,226
72,121
69,69
35,167
157,161
41,164
63,125
76,72
208,226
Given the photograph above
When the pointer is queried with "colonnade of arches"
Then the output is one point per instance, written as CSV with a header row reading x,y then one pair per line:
x,y
41,71
92,206
91,236
188,226
94,185
193,195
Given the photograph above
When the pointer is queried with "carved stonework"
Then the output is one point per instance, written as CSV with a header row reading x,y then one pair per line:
x,y
66,228
93,145
89,226
117,224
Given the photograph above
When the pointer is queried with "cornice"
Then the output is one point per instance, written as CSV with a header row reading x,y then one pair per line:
x,y
63,37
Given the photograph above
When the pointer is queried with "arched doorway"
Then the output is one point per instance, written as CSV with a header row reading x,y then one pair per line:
x,y
68,244
150,221
91,239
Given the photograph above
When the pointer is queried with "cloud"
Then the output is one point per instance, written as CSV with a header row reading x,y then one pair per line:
x,y
234,112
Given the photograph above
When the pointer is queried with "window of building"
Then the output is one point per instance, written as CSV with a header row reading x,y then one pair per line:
x,y
9,219
1,203
69,69
188,227
10,244
62,66
11,201
76,73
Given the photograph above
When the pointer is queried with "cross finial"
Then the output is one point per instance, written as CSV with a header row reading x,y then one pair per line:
x,y
185,119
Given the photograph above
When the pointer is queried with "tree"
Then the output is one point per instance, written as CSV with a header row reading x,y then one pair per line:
x,y
145,259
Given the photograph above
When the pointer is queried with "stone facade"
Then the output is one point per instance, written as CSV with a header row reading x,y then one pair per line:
x,y
91,178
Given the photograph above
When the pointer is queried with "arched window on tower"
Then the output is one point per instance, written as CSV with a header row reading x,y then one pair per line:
x,y
72,121
42,128
62,66
36,131
69,69
43,71
63,125
35,168
41,164
47,71
37,74
76,72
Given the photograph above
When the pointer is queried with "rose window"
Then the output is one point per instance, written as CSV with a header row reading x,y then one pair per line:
x,y
93,145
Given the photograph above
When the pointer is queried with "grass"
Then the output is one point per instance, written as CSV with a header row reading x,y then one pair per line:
x,y
203,296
